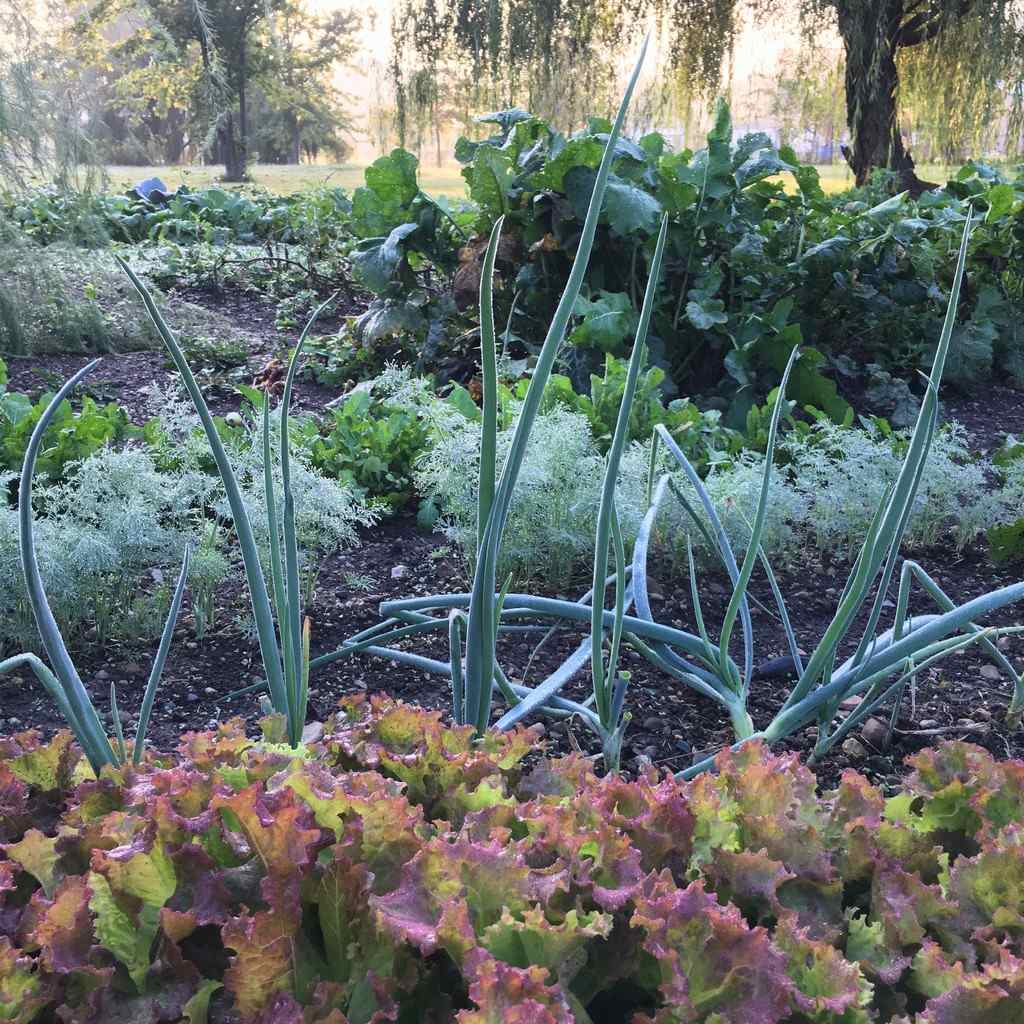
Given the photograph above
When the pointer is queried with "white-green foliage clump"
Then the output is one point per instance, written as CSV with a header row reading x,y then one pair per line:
x,y
327,513
843,474
114,523
111,537
822,497
550,532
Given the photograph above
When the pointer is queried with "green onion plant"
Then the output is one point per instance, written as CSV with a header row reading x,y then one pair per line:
x,y
282,634
60,679
879,669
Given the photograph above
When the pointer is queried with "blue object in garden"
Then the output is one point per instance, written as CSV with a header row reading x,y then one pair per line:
x,y
152,189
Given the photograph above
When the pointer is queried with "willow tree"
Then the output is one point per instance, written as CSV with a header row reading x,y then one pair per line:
x,y
43,97
573,44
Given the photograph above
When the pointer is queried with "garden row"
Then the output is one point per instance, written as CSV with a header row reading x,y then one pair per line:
x,y
391,869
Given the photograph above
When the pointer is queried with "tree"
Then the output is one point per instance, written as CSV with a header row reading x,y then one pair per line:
x,y
223,28
874,32
223,72
43,94
301,52
510,41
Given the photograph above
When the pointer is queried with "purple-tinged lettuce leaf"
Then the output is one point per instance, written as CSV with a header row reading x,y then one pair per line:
x,y
488,877
569,846
201,896
37,854
933,972
532,940
440,766
559,778
989,890
281,834
947,785
994,995
654,814
748,879
264,963
15,815
367,810
757,801
61,928
46,767
906,907
866,946
828,988
223,746
712,965
22,993
514,995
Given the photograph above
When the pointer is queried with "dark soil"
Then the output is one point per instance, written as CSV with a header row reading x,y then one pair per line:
x,y
671,726
124,377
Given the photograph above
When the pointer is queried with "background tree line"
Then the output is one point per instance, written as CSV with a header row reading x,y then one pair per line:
x,y
222,80
950,69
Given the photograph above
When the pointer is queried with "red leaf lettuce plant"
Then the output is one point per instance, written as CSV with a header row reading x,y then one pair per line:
x,y
396,870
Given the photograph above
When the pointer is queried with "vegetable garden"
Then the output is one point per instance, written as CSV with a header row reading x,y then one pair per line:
x,y
657,521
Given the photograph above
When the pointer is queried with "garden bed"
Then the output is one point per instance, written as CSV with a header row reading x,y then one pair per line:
x,y
670,724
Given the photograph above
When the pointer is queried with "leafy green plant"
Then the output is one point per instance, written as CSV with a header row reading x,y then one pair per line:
x,y
366,876
213,214
214,353
372,444
701,432
70,436
1006,539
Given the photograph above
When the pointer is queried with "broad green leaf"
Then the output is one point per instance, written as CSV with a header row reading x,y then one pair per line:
x,y
375,261
128,935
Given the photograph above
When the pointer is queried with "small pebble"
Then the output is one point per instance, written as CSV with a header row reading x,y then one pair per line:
x,y
854,749
991,672
876,733
399,572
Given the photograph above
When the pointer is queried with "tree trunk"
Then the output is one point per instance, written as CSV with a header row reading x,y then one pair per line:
x,y
294,137
232,149
243,121
870,33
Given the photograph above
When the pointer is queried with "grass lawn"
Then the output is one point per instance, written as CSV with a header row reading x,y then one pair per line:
x,y
284,178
